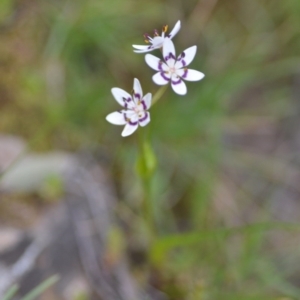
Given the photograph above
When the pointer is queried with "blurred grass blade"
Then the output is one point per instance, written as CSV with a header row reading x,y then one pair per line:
x,y
146,161
10,293
41,288
163,245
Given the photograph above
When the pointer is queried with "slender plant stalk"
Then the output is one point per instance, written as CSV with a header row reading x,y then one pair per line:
x,y
146,171
159,94
10,293
41,288
37,291
146,163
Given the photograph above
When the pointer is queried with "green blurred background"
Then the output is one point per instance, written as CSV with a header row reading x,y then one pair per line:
x,y
227,185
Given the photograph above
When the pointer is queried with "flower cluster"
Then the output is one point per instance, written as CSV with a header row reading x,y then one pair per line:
x,y
170,69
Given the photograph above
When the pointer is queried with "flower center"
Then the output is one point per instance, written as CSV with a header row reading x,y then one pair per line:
x,y
172,70
138,110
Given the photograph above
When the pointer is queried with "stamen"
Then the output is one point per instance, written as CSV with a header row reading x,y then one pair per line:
x,y
165,28
185,72
162,74
132,123
156,32
147,38
143,118
160,65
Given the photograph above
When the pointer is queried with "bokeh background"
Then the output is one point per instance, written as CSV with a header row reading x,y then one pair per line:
x,y
226,188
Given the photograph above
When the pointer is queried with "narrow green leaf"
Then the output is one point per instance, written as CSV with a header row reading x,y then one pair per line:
x,y
163,245
146,161
41,288
11,292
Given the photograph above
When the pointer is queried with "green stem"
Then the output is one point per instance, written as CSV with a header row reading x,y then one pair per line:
x,y
10,293
41,288
159,94
148,207
146,169
146,165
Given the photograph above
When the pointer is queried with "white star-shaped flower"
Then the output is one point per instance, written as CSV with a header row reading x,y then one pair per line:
x,y
135,112
173,69
158,40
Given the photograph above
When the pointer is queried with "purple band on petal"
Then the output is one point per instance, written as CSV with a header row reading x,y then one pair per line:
x,y
169,56
132,123
137,95
160,66
129,99
181,59
185,73
126,101
177,81
144,104
128,120
181,56
143,118
162,74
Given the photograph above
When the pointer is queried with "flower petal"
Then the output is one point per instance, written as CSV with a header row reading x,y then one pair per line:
x,y
155,63
121,96
116,118
140,47
161,78
190,75
186,57
149,48
157,42
129,129
133,117
174,30
145,119
129,114
147,100
178,85
143,48
137,89
128,103
169,52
